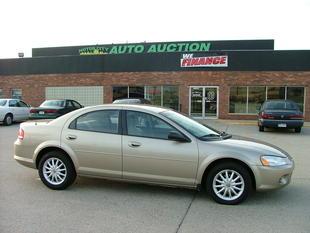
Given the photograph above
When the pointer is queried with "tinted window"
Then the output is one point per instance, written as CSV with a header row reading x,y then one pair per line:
x,y
105,121
22,104
76,104
146,125
69,104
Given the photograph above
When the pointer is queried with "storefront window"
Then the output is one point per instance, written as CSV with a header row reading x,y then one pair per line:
x,y
136,92
1,94
296,94
275,93
171,97
16,93
249,99
120,93
153,94
257,96
238,100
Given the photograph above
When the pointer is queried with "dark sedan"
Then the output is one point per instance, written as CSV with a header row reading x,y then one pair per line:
x,y
280,114
51,109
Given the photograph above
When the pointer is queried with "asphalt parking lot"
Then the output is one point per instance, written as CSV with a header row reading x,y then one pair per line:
x,y
94,205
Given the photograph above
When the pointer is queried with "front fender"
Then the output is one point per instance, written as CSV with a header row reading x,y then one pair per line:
x,y
207,160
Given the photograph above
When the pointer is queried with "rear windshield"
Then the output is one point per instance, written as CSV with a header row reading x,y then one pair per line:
x,y
2,102
53,103
280,105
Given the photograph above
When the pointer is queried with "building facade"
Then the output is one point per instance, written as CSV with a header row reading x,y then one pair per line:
x,y
217,79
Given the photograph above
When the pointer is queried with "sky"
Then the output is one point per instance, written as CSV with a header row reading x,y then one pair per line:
x,y
27,24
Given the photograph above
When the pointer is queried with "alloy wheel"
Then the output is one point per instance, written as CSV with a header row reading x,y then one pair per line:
x,y
54,171
228,185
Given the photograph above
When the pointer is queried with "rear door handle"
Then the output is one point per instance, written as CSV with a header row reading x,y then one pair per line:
x,y
134,144
71,137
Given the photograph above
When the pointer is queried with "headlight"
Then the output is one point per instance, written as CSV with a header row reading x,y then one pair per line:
x,y
274,161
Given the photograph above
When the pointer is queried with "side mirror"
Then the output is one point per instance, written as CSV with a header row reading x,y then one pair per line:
x,y
176,136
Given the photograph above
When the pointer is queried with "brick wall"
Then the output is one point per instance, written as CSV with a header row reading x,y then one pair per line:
x,y
33,86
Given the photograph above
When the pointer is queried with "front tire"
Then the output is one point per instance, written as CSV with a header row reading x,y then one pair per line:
x,y
229,183
8,119
56,170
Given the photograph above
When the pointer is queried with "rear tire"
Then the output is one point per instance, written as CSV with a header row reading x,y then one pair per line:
x,y
8,119
261,128
229,183
56,170
297,129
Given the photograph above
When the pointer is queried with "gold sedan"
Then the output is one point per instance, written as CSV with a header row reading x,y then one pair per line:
x,y
152,145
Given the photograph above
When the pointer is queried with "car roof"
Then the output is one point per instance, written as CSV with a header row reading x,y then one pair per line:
x,y
132,107
151,108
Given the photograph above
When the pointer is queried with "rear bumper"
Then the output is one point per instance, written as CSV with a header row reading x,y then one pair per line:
x,y
277,123
24,161
23,155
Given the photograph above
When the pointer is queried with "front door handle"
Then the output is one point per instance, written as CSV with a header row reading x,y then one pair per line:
x,y
71,137
134,144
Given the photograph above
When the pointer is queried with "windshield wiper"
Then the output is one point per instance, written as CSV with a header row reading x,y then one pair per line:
x,y
210,135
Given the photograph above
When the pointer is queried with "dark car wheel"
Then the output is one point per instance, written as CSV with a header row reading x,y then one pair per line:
x,y
229,183
56,170
261,128
8,119
298,129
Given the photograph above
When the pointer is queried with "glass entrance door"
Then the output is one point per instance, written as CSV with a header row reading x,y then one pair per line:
x,y
196,102
204,102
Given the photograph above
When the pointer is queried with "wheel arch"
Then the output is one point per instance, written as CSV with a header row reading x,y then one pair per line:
x,y
45,150
222,160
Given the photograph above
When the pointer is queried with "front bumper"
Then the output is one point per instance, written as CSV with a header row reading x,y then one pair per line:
x,y
268,178
276,123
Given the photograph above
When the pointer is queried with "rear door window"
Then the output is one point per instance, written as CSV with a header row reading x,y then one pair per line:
x,y
104,121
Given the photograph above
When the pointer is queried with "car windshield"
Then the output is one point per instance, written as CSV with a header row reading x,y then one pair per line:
x,y
280,105
2,102
53,103
195,128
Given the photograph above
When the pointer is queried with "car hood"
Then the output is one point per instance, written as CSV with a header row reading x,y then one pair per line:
x,y
238,145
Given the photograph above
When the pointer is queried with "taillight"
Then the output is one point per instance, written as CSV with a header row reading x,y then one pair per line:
x,y
296,116
21,134
50,111
33,111
266,116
